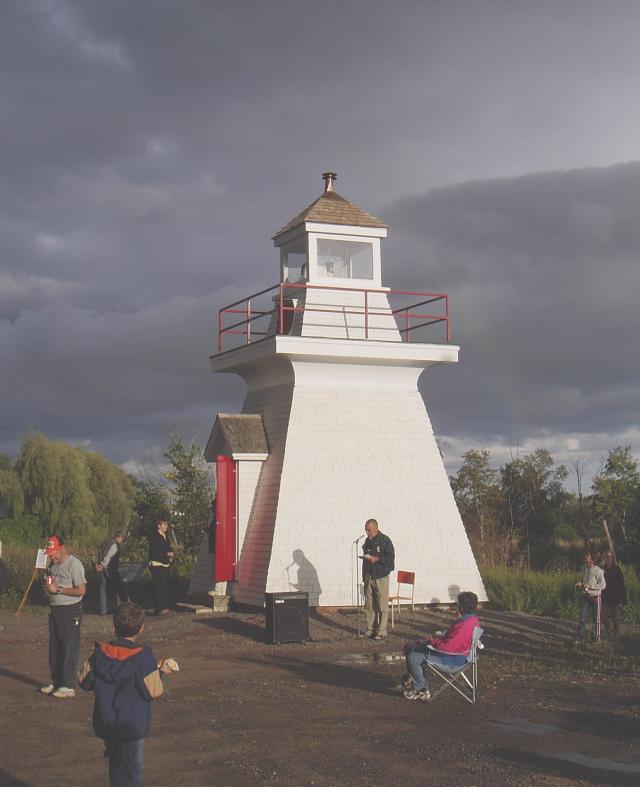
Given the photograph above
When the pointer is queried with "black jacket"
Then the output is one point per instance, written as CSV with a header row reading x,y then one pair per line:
x,y
159,547
381,547
615,592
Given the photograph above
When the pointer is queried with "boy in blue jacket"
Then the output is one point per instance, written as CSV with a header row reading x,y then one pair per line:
x,y
125,677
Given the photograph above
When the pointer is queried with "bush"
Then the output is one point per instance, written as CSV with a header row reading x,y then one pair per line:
x,y
21,529
20,562
630,612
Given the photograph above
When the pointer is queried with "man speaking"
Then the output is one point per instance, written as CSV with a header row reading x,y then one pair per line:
x,y
377,564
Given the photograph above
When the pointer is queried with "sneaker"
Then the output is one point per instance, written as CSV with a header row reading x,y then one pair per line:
x,y
407,683
379,636
412,694
48,689
63,691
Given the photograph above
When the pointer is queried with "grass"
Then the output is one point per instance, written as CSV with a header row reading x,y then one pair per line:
x,y
553,594
550,593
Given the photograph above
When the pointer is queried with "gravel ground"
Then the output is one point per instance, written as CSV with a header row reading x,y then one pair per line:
x,y
329,712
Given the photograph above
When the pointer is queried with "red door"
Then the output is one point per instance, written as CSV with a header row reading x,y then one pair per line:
x,y
225,567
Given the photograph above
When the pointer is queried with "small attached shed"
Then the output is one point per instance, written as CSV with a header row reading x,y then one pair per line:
x,y
238,446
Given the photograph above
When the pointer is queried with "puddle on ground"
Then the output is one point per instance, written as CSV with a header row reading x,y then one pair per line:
x,y
368,658
594,763
529,727
598,763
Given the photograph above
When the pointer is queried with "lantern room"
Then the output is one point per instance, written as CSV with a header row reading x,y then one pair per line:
x,y
331,242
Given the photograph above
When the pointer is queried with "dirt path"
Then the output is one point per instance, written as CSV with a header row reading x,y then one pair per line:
x,y
328,712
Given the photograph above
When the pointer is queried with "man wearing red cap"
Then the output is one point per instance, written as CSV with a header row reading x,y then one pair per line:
x,y
66,586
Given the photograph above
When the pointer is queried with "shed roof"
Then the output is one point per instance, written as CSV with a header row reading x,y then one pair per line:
x,y
331,208
237,433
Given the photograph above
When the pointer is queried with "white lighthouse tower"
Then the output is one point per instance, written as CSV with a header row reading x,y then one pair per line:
x,y
333,430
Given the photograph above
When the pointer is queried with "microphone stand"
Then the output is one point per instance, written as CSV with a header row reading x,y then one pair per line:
x,y
357,585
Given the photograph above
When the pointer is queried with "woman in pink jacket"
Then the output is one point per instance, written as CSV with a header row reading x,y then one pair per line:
x,y
453,648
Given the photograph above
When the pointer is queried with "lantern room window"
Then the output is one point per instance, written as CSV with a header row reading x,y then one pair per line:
x,y
345,259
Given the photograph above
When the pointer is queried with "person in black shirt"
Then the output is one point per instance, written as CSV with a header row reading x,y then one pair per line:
x,y
378,561
160,557
613,596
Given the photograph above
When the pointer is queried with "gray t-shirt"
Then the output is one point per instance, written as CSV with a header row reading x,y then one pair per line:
x,y
68,574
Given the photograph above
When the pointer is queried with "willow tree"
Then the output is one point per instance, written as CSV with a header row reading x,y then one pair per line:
x,y
113,493
11,492
79,494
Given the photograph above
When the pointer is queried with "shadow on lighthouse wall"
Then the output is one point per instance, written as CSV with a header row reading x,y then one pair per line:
x,y
302,576
453,591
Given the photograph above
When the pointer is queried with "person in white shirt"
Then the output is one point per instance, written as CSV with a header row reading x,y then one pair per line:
x,y
591,586
108,570
66,585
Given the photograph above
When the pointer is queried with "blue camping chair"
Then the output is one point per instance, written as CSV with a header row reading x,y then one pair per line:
x,y
464,679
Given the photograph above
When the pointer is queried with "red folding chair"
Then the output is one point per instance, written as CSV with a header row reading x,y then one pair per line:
x,y
404,578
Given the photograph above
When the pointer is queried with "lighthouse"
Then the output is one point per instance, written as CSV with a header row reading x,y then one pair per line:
x,y
333,430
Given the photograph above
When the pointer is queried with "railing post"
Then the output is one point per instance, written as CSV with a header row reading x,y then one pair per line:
x,y
219,330
248,320
446,302
406,323
281,307
366,314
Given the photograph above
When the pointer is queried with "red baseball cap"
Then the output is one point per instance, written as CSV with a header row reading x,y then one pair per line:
x,y
54,544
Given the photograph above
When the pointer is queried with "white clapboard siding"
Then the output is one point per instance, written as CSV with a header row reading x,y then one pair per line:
x,y
341,454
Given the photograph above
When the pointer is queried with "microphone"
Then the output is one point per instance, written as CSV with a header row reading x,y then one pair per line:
x,y
359,538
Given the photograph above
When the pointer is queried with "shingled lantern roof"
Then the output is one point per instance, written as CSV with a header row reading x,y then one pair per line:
x,y
331,208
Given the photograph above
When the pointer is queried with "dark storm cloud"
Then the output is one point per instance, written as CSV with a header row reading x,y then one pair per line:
x,y
544,276
150,148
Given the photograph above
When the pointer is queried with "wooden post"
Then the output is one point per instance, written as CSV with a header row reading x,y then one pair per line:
x,y
609,539
26,592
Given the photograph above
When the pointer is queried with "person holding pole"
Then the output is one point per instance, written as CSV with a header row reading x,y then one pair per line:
x,y
591,586
378,561
66,585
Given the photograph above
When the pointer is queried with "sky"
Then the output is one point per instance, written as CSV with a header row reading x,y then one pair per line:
x,y
149,149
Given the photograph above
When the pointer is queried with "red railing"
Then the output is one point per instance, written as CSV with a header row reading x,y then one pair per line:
x,y
283,294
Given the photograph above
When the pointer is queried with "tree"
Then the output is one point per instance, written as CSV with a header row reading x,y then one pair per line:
x,y
78,493
54,478
11,492
617,494
534,497
578,466
113,493
478,497
190,492
151,505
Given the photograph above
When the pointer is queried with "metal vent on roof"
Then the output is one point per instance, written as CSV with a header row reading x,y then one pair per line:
x,y
328,178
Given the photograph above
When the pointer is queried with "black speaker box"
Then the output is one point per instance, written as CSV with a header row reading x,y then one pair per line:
x,y
287,617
